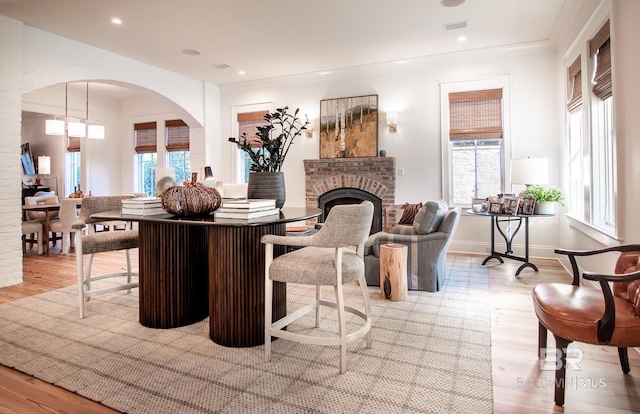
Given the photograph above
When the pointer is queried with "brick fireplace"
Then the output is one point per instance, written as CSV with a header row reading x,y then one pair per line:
x,y
371,179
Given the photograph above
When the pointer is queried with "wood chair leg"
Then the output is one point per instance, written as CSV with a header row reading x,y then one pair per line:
x,y
624,360
542,339
561,371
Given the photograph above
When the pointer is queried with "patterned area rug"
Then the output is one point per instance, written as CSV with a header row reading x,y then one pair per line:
x,y
430,354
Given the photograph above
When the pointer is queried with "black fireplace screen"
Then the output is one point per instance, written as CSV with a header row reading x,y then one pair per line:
x,y
348,195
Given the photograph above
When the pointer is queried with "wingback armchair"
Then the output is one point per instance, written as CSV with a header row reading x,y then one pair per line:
x,y
427,239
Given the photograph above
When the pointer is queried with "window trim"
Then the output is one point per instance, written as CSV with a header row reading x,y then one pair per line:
x,y
446,88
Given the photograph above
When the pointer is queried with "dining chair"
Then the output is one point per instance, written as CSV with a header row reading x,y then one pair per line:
x,y
326,259
89,243
32,228
40,215
68,215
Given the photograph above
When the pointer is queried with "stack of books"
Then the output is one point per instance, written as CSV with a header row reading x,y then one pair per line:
x,y
142,206
247,208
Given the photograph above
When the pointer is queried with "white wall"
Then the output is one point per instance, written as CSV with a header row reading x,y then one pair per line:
x,y
415,94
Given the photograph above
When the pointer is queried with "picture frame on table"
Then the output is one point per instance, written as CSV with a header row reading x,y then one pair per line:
x,y
510,205
495,208
527,205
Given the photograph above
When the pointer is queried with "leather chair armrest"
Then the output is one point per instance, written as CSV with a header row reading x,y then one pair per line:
x,y
578,253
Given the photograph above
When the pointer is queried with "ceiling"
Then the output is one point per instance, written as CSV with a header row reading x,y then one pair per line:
x,y
269,39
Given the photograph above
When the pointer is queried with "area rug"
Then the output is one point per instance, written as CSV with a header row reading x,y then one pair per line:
x,y
430,354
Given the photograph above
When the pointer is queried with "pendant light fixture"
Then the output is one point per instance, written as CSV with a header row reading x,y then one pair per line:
x,y
74,127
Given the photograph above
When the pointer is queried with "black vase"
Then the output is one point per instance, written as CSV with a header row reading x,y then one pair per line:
x,y
267,185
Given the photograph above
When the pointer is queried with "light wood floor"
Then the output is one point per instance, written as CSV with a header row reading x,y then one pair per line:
x,y
519,386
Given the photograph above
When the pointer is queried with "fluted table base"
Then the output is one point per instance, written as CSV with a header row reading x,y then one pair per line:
x,y
236,284
173,274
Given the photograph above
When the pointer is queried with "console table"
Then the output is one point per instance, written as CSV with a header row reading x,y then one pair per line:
x,y
508,234
191,268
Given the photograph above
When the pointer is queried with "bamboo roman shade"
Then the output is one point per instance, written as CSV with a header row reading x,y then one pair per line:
x,y
248,123
475,115
177,135
600,47
73,144
145,137
575,82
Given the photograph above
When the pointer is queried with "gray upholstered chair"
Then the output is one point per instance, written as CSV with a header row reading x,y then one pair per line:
x,y
89,243
427,240
327,259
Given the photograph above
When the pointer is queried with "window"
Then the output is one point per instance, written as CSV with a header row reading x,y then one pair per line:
x,y
73,170
591,145
145,137
475,144
72,173
248,123
177,145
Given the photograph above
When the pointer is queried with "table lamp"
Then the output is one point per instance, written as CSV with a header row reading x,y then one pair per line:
x,y
529,171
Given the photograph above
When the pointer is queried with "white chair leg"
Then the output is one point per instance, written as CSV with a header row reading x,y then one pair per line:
x,y
341,328
87,281
318,298
80,271
367,306
39,243
65,242
268,299
128,268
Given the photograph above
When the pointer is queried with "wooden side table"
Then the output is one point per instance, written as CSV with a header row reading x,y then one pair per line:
x,y
393,271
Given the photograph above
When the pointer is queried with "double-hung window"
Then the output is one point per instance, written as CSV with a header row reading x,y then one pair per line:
x,y
177,146
473,139
248,123
590,138
145,136
72,166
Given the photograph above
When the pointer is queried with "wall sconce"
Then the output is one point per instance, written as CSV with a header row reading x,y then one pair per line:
x,y
309,132
392,121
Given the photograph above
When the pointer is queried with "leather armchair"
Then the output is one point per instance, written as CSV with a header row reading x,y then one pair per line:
x,y
590,315
427,240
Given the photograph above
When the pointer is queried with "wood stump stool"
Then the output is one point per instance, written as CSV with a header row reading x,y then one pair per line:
x,y
393,272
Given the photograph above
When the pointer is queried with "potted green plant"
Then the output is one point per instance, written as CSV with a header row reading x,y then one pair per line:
x,y
545,198
267,150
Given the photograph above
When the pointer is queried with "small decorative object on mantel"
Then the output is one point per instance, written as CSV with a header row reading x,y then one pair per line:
x,y
191,199
267,150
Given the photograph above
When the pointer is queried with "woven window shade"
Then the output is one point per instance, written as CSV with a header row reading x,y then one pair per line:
x,y
475,115
600,47
575,80
73,144
177,135
248,123
145,137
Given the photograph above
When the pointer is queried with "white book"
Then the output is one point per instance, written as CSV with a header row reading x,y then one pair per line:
x,y
247,214
224,209
141,200
143,211
249,203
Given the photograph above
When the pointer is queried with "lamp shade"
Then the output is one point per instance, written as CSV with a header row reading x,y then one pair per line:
x,y
54,127
530,171
77,129
392,118
95,131
44,164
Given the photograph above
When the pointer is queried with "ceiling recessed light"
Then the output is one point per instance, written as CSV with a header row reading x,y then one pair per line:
x,y
241,72
190,52
451,3
461,38
116,20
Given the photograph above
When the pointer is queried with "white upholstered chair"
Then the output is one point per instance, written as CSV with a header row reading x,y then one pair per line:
x,y
67,215
40,215
32,228
89,243
327,259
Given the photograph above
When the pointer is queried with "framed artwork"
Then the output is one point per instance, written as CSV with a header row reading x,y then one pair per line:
x,y
349,127
510,205
527,206
495,208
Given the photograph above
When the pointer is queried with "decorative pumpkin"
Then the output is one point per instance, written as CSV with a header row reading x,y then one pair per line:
x,y
191,199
